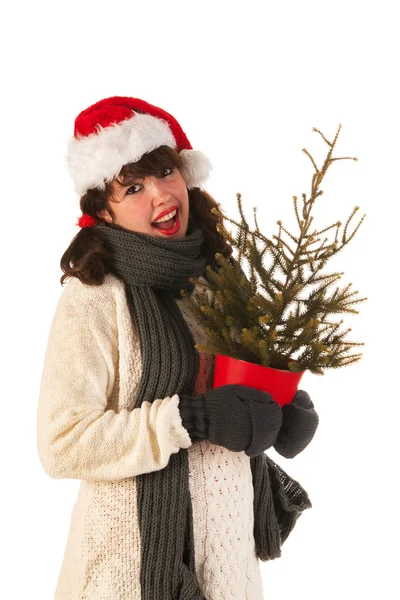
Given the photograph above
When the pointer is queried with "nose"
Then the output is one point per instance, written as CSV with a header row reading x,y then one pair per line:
x,y
158,191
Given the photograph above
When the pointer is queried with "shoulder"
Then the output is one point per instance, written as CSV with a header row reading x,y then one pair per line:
x,y
84,328
77,291
90,302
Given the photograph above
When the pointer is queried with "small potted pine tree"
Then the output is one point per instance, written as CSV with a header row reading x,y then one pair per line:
x,y
270,326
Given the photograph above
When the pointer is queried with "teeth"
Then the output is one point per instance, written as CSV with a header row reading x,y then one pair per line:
x,y
167,217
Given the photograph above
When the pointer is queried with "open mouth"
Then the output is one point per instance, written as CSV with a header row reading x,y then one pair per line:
x,y
168,227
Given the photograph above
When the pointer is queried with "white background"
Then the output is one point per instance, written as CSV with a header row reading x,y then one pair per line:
x,y
247,81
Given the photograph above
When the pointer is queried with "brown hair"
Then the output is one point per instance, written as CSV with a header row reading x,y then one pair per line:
x,y
88,259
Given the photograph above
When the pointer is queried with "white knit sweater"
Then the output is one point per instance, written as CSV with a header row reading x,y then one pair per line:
x,y
88,430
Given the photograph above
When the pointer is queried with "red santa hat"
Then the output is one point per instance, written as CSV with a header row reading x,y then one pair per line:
x,y
119,130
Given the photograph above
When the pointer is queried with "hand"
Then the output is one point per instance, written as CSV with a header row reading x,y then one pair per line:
x,y
266,419
300,422
219,416
239,418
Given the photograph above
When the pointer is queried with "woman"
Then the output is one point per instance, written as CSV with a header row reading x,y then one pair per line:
x,y
177,498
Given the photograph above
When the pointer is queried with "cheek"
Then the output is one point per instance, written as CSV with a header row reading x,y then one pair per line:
x,y
139,211
181,190
184,197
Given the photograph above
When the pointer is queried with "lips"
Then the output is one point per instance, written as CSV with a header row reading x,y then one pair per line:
x,y
165,212
173,229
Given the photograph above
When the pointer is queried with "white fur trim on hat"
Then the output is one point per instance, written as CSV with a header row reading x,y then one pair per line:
x,y
99,157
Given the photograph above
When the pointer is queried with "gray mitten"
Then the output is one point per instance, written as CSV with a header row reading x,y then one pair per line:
x,y
239,418
300,422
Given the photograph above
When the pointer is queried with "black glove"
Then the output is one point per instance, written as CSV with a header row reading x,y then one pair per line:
x,y
300,422
237,417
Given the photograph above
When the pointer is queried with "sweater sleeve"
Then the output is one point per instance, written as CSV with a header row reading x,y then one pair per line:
x,y
77,437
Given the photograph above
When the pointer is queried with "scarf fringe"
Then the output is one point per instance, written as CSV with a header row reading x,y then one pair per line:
x,y
279,500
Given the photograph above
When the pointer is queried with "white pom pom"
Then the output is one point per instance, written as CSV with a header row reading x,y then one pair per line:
x,y
196,168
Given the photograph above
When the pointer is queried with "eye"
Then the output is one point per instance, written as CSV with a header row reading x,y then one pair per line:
x,y
132,190
167,171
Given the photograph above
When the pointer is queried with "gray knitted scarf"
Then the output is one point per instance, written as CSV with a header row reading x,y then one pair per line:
x,y
154,271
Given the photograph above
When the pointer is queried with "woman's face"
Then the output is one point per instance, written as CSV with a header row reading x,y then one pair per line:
x,y
137,207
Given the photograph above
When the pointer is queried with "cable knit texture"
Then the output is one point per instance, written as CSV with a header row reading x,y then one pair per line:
x,y
87,429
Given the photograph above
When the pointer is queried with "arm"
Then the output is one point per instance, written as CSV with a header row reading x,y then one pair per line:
x,y
77,437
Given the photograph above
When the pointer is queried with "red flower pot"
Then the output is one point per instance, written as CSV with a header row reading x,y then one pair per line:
x,y
282,385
